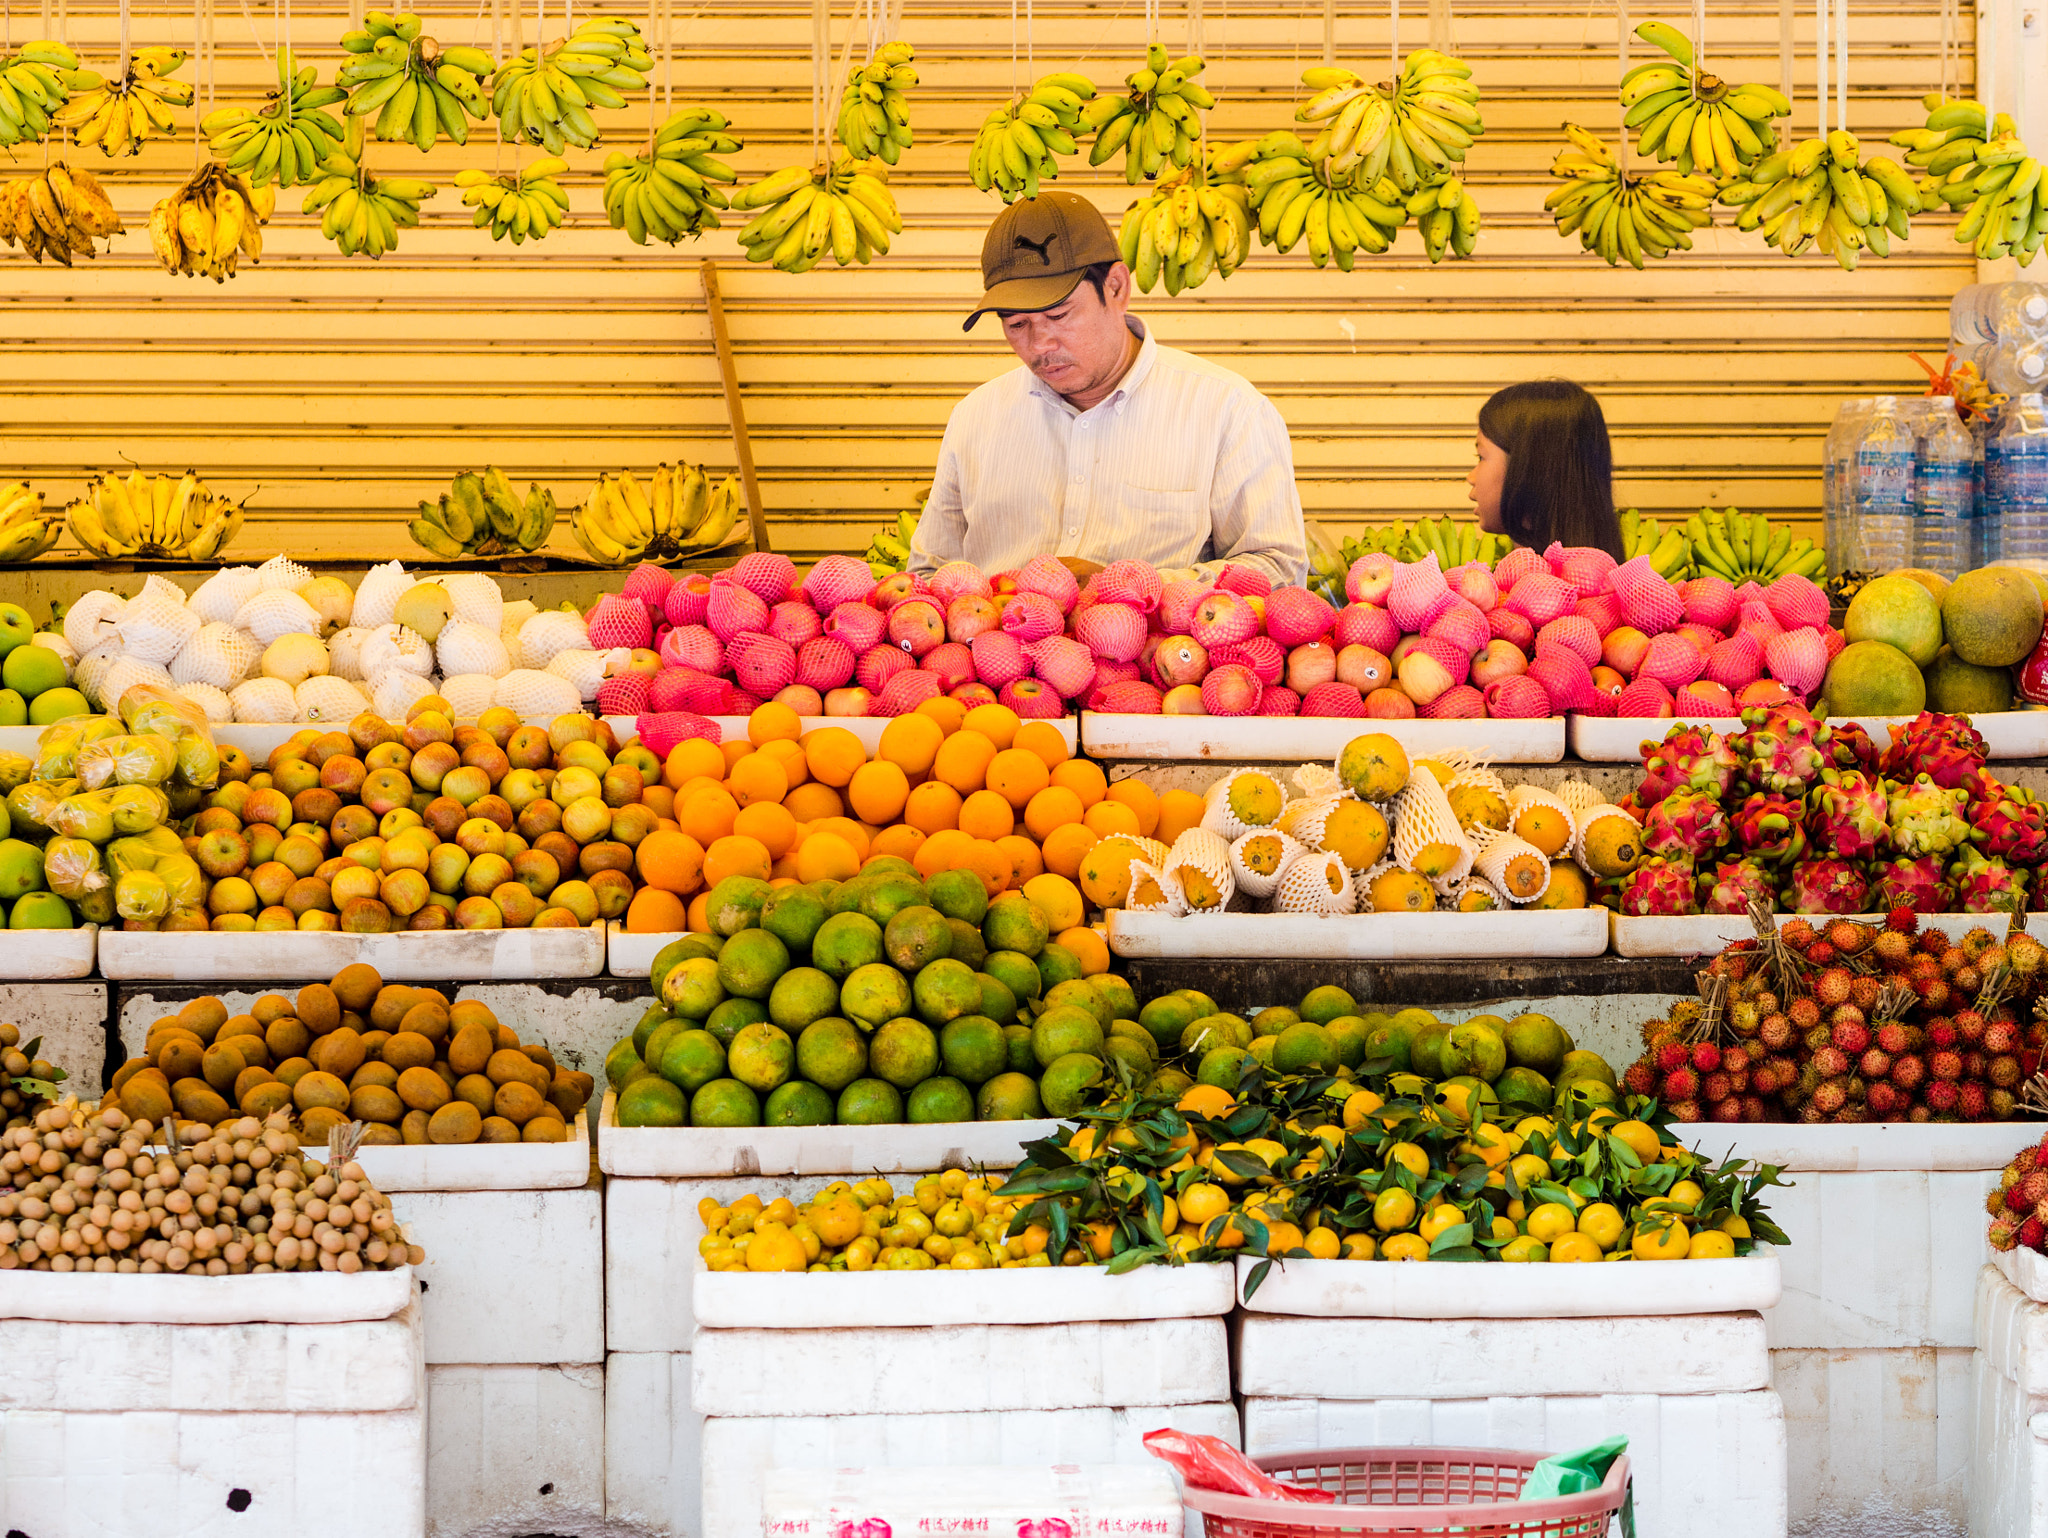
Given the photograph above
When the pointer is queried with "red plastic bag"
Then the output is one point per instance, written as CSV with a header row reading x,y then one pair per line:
x,y
1210,1463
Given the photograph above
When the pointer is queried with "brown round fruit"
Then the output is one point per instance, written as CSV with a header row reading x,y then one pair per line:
x,y
262,1099
203,1017
456,1122
249,1078
423,1089
545,1129
498,1130
293,1069
320,1007
356,986
381,1134
471,1049
373,1072
477,1091
146,1098
319,1089
272,1006
392,1002
320,1121
221,1065
376,1102
288,1036
413,1129
196,1098
340,1052
407,1049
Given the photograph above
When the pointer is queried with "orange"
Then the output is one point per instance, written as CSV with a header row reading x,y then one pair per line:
x,y
1088,947
757,777
653,912
899,839
932,806
769,824
733,749
1065,848
1023,857
944,850
963,760
707,815
1204,1100
911,742
735,856
825,857
791,757
834,754
697,782
998,723
987,815
1059,897
672,862
1106,817
689,759
810,801
1137,795
1053,807
773,722
700,913
877,792
946,711
990,863
659,799
1179,810
1044,739
1083,778
1018,774
857,837
783,871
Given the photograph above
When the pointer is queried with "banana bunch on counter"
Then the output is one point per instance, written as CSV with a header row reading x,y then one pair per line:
x,y
889,551
1748,547
1976,162
679,513
1670,552
26,531
481,515
156,517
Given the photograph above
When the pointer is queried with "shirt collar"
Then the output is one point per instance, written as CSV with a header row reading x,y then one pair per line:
x,y
1141,366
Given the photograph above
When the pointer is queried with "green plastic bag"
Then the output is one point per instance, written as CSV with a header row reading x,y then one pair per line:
x,y
1576,1473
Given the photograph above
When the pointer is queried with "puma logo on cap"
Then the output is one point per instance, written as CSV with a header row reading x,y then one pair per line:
x,y
1042,247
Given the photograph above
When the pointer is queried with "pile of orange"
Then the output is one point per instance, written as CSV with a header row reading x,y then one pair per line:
x,y
947,788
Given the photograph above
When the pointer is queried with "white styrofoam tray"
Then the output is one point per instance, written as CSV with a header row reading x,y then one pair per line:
x,y
1361,936
291,1297
409,956
1278,739
48,955
867,728
1619,739
1701,934
481,1166
1082,1498
1351,1289
669,1153
861,1300
631,955
1862,1147
2025,1269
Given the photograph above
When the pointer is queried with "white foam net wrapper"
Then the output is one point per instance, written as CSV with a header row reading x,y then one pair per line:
x,y
1198,854
330,699
124,675
1474,779
393,691
547,633
530,692
1315,881
1479,884
584,670
1579,798
1314,780
264,700
467,646
345,652
283,573
1165,895
153,627
276,611
218,654
89,623
1268,847
217,598
1219,817
213,701
469,695
1592,818
378,593
87,672
50,640
394,646
1422,817
476,598
1304,819
1512,866
516,613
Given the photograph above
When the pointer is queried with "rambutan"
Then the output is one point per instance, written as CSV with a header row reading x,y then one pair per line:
x,y
1681,1084
1892,1037
1834,986
1832,1095
1797,932
1946,1066
1685,1111
1894,947
1727,1109
2004,1070
1903,921
2001,1036
1716,1087
1974,1101
1820,954
1847,937
2031,1233
1909,1072
1640,1079
1970,1025
1706,1057
1673,1056
1863,993
1804,1013
1831,1062
1875,1063
1776,1031
1941,1033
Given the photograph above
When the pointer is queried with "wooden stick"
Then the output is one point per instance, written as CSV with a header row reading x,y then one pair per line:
x,y
743,448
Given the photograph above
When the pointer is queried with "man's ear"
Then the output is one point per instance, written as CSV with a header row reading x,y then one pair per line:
x,y
1116,288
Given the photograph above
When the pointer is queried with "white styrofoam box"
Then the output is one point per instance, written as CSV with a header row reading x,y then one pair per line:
x,y
411,956
71,1019
2025,1269
739,1450
1866,1146
1704,1465
803,1300
510,1276
292,1297
652,1458
1360,936
1703,934
1879,1440
1619,739
706,1152
1278,739
1085,1498
514,1449
1348,1289
2012,1333
480,1166
1280,1357
867,728
632,955
48,955
961,1368
2008,1467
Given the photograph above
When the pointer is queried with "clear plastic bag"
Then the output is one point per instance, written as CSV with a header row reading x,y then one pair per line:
x,y
73,868
181,876
130,759
138,808
89,814
1210,1463
57,748
15,769
31,805
142,894
126,854
151,710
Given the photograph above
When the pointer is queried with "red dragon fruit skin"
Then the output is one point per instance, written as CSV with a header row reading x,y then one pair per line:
x,y
1517,564
1509,626
1418,595
1134,583
1279,700
769,576
1031,616
1333,699
1645,697
1672,660
1797,603
1648,602
1517,697
1245,581
1710,601
1260,653
617,621
1575,632
879,664
1129,698
1362,624
1113,630
649,584
761,665
1295,616
1603,610
1031,700
1176,611
734,608
794,621
959,579
1798,659
904,692
1064,664
860,625
837,579
951,663
825,663
689,597
662,731
1460,702
692,646
1232,690
1043,574
623,695
999,659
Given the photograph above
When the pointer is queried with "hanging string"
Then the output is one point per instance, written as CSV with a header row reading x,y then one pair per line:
x,y
1329,32
1030,40
1394,38
1783,129
1842,65
1622,36
1013,47
1699,43
1440,25
204,75
124,40
1820,63
821,63
1195,40
254,36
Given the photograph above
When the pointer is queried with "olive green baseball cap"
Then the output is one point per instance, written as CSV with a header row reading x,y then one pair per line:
x,y
1036,251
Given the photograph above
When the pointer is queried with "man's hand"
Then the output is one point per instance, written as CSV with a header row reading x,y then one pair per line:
x,y
1081,569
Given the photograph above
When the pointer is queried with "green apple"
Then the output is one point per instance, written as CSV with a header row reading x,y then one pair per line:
x,y
21,868
41,910
13,708
15,627
55,705
33,670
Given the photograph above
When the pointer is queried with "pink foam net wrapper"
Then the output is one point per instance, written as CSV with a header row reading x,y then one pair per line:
x,y
1210,1463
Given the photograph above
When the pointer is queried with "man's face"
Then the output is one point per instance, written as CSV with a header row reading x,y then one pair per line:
x,y
1079,343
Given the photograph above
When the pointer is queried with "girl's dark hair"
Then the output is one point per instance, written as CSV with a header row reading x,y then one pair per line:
x,y
1560,477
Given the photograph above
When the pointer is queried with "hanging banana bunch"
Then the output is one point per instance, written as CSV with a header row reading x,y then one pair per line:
x,y
38,79
1976,162
1184,230
157,518
419,91
808,213
57,213
1625,218
119,116
1293,195
1694,118
26,531
521,204
676,189
285,139
1015,149
1415,129
1156,122
481,515
680,513
546,99
874,113
1818,193
209,223
360,212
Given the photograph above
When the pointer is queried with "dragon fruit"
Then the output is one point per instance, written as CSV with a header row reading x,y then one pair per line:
x,y
1988,886
1925,818
1688,822
1658,889
1771,827
1946,749
1850,747
1827,886
1738,883
1847,815
1689,756
1784,749
1921,885
2012,825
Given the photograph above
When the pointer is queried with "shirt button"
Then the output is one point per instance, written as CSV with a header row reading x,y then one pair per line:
x,y
1072,532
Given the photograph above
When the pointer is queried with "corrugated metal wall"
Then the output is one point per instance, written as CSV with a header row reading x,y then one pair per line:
x,y
337,392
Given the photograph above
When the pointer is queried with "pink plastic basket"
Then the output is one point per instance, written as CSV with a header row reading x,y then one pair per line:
x,y
1417,1490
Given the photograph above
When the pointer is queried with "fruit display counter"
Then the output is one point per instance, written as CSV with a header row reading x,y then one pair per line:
x,y
2007,1458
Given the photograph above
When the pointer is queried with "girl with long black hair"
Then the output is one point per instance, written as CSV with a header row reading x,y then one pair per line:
x,y
1545,469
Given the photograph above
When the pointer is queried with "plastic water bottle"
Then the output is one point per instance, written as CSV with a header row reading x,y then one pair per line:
x,y
1969,324
2023,481
1983,429
1883,506
1838,477
2018,310
1944,509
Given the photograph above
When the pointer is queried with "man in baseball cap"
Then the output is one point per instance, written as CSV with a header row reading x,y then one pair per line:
x,y
1104,446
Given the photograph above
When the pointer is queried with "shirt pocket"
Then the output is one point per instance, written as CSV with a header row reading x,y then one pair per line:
x,y
1168,516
